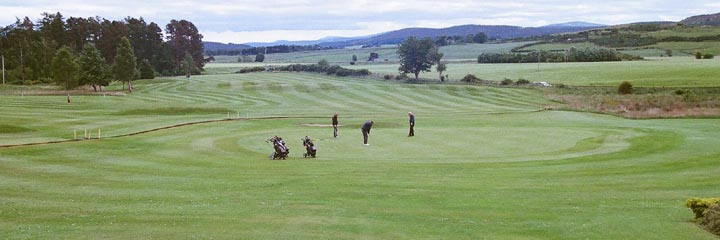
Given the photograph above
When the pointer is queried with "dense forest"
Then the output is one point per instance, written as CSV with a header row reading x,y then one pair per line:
x,y
30,47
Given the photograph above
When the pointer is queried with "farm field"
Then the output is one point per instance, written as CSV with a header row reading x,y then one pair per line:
x,y
344,56
485,163
658,72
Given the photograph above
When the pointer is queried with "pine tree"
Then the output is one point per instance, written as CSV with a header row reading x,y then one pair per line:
x,y
64,68
124,67
93,69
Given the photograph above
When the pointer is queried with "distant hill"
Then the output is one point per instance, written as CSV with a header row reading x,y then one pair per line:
x,y
703,20
304,43
216,46
575,24
493,31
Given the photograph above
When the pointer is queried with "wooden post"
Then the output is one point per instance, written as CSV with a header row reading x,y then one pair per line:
x,y
98,133
74,134
86,136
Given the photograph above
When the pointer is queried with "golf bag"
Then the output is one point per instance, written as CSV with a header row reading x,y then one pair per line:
x,y
281,150
310,148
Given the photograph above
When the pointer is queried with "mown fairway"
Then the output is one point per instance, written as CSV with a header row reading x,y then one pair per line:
x,y
485,163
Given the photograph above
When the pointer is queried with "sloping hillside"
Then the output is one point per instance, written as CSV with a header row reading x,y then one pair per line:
x,y
703,20
493,31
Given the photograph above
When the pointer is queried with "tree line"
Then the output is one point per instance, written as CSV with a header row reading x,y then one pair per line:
x,y
480,37
30,47
571,55
282,49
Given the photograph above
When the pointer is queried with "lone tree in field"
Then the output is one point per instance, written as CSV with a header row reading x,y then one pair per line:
x,y
441,67
93,70
64,68
417,56
124,67
260,57
436,57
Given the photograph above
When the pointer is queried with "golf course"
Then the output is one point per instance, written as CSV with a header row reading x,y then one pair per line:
x,y
188,158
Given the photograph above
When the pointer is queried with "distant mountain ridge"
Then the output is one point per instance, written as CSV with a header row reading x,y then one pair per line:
x,y
703,20
575,24
216,46
493,31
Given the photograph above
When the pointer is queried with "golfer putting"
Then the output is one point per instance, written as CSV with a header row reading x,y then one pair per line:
x,y
366,131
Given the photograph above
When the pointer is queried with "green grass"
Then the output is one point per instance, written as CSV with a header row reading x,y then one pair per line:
x,y
691,47
658,72
174,111
485,164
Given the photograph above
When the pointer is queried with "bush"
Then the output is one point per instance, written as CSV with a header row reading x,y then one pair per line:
x,y
401,77
329,70
251,69
625,88
699,206
711,220
260,57
698,55
522,81
388,77
506,81
708,56
352,63
470,79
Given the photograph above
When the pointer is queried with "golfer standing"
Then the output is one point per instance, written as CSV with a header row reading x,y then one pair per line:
x,y
366,131
335,125
412,124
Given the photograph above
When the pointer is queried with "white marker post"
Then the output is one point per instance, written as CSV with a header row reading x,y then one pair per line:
x,y
74,134
98,133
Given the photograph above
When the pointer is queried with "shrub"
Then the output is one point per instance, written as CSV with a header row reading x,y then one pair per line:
x,y
251,69
625,88
388,77
401,77
352,63
708,56
324,63
711,220
698,55
470,78
700,205
680,92
506,81
522,81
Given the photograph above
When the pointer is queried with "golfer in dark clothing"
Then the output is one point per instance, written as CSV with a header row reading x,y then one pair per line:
x,y
412,124
366,131
335,125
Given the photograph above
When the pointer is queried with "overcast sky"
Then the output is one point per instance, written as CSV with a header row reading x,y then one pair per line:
x,y
240,21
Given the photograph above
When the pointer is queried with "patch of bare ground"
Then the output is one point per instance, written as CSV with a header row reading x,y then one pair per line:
x,y
641,106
